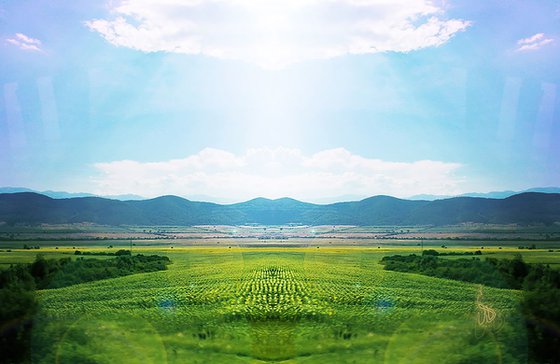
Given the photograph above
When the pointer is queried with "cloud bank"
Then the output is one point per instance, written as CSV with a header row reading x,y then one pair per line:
x,y
276,33
25,42
276,173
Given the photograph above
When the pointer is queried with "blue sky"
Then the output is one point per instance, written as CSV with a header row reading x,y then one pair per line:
x,y
234,100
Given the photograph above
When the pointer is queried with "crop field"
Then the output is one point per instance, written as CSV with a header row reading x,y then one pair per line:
x,y
289,305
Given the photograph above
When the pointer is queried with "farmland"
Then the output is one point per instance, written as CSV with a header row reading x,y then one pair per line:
x,y
251,305
68,233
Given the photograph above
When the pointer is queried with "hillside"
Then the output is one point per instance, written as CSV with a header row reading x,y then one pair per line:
x,y
525,208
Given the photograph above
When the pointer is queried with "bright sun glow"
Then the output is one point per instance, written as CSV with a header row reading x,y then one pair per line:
x,y
275,26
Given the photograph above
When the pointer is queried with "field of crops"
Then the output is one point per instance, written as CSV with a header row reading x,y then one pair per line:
x,y
306,305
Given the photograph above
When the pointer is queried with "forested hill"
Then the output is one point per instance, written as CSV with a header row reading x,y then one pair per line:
x,y
525,208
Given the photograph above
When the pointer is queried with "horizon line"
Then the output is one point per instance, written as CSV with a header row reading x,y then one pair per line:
x,y
509,193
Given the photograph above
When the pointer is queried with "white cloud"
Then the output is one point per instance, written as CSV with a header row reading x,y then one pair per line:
x,y
275,33
276,173
24,42
533,43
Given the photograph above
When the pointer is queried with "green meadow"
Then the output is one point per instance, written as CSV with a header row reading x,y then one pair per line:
x,y
277,305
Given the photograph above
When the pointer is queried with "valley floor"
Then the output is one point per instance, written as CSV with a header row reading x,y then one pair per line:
x,y
312,304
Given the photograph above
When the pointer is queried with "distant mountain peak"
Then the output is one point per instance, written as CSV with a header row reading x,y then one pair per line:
x,y
382,198
65,195
493,194
168,197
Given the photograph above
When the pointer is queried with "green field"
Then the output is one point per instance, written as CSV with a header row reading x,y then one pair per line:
x,y
290,305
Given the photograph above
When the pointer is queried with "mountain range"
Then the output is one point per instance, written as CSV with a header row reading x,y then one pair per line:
x,y
327,200
493,194
62,194
524,208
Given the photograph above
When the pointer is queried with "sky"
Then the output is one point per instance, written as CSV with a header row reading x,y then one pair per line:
x,y
227,100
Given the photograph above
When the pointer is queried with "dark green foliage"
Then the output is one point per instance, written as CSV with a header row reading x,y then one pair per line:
x,y
17,306
64,272
471,270
541,307
541,285
530,247
18,284
499,273
18,276
121,252
435,253
430,252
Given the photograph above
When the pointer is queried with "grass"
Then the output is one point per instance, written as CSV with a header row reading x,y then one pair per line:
x,y
261,305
